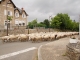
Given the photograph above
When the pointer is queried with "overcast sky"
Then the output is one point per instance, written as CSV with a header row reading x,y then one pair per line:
x,y
42,9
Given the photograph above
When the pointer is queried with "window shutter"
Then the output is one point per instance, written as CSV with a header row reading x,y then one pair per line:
x,y
25,16
5,12
22,15
11,13
15,14
18,14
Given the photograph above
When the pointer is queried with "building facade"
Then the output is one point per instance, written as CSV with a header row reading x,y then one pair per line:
x,y
8,8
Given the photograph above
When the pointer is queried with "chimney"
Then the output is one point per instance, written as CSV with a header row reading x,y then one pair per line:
x,y
22,9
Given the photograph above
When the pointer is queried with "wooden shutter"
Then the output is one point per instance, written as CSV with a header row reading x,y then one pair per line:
x,y
5,12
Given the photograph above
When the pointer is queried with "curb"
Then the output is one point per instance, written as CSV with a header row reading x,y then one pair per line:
x,y
39,49
39,54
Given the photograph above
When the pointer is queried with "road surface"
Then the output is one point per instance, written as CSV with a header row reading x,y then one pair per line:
x,y
19,50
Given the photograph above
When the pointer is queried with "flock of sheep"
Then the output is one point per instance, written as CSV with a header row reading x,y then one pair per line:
x,y
37,37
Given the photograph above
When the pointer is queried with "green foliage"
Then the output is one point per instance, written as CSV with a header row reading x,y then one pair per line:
x,y
60,21
32,23
46,22
75,26
63,22
9,18
41,25
55,23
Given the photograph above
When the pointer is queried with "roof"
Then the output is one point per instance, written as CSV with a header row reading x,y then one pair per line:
x,y
13,3
10,1
21,11
0,1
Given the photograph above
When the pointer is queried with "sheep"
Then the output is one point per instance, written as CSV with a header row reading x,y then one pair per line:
x,y
53,36
37,37
46,37
5,38
34,37
23,37
13,38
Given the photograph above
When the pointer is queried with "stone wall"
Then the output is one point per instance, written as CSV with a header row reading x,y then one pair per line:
x,y
22,30
3,32
30,31
73,51
44,30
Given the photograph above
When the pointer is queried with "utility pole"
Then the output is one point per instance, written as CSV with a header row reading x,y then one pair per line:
x,y
79,27
49,22
7,2
6,17
28,29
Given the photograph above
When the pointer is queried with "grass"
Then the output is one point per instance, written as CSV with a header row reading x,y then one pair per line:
x,y
35,57
64,54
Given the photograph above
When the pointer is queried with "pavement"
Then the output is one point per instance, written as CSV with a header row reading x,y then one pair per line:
x,y
56,50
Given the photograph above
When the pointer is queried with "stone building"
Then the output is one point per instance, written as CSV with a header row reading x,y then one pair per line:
x,y
8,8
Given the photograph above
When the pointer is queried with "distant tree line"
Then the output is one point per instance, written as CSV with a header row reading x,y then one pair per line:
x,y
34,23
60,21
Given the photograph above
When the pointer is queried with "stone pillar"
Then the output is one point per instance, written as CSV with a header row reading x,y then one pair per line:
x,y
73,51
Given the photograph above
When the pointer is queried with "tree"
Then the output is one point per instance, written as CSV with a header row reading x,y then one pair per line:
x,y
60,21
69,25
63,22
41,25
75,26
55,23
9,18
32,23
46,22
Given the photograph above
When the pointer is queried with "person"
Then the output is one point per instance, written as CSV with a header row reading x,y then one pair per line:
x,y
56,36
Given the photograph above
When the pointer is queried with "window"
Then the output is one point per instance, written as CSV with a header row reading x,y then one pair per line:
x,y
6,22
19,24
23,15
23,24
16,22
9,13
16,14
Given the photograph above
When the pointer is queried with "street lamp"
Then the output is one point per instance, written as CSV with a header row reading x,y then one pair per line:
x,y
49,22
7,2
28,29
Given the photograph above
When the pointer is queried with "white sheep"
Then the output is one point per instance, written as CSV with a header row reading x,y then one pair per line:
x,y
5,38
23,37
13,38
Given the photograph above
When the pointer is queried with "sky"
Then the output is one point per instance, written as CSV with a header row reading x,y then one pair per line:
x,y
42,9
